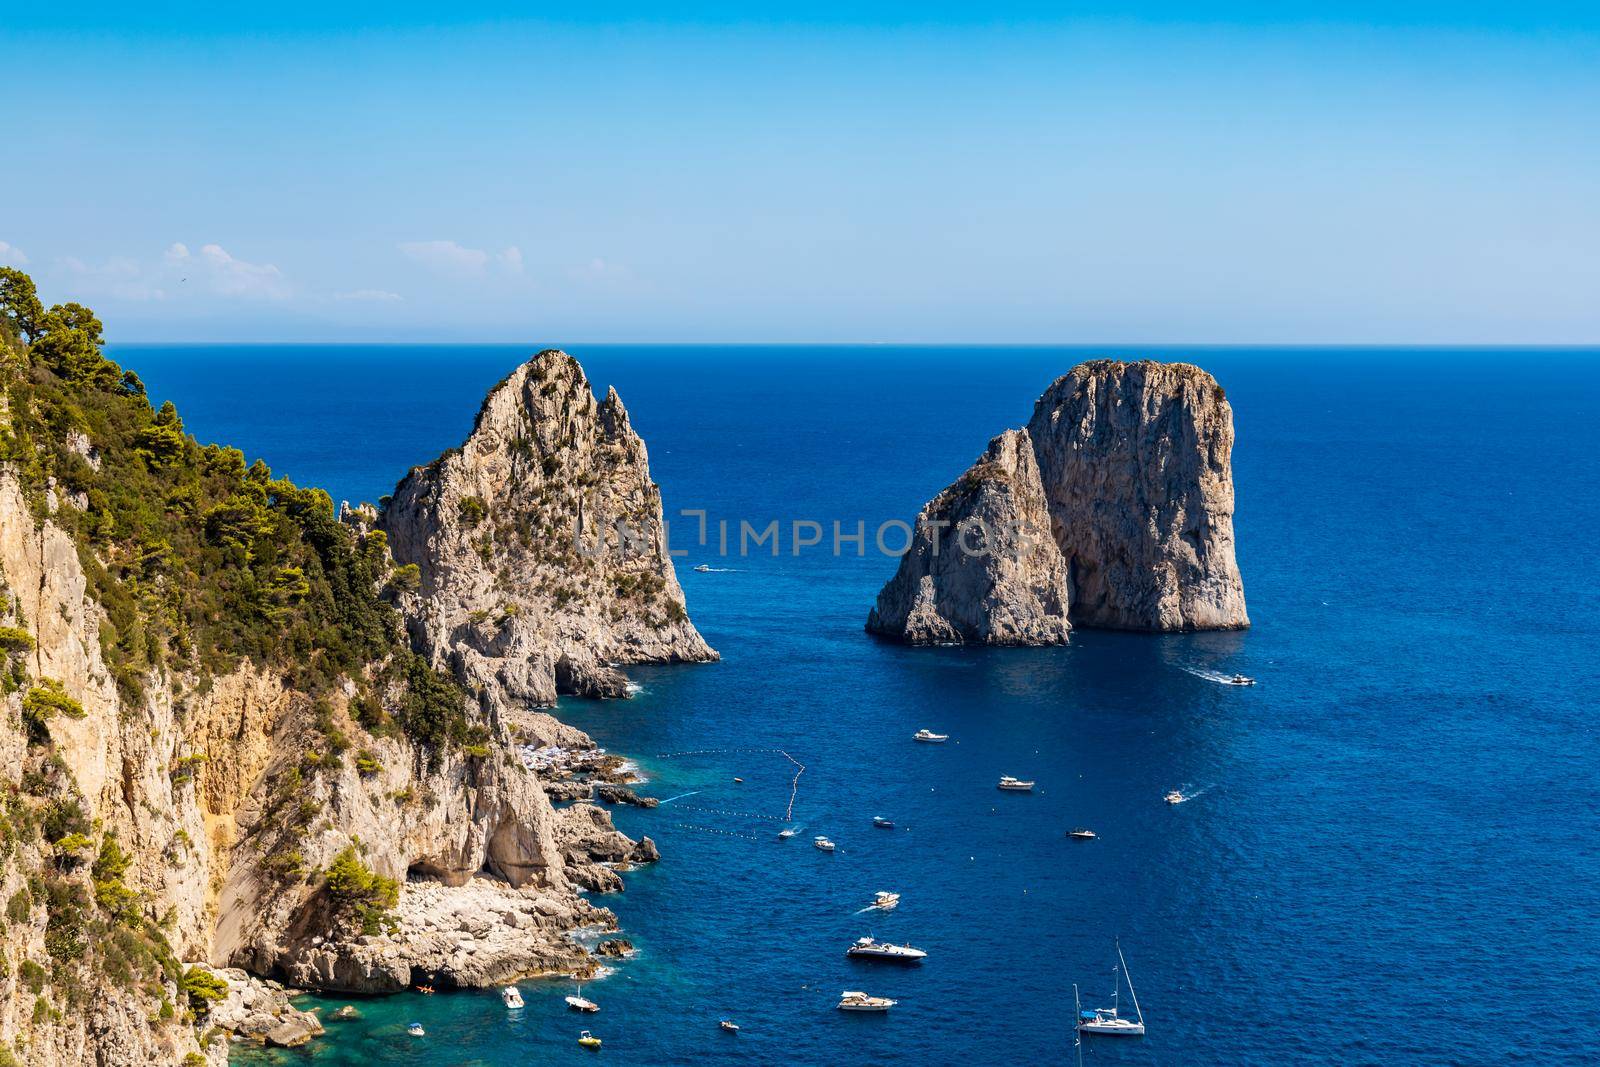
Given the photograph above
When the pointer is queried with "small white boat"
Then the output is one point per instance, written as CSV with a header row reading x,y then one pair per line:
x,y
867,948
704,568
823,843
885,900
739,780
1015,785
930,737
1175,797
729,1025
855,1000
881,823
579,1003
1081,834
511,996
786,833
416,1030
1238,679
1106,1020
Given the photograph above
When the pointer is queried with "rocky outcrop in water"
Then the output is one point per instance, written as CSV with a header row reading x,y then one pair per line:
x,y
982,568
541,548
1130,464
1135,459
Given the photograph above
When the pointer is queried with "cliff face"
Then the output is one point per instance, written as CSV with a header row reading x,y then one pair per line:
x,y
981,568
1129,465
1135,459
224,761
529,586
203,783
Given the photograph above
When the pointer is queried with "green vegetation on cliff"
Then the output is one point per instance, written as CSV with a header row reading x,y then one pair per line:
x,y
199,558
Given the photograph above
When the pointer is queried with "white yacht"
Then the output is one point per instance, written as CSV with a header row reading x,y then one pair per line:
x,y
1175,797
823,843
855,1000
1107,1020
416,1030
704,568
1238,679
885,900
511,996
729,1025
577,1002
1015,785
930,737
786,833
1081,833
867,948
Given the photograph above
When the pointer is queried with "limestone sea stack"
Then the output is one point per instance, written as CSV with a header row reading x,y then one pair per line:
x,y
982,567
1136,464
540,547
1132,465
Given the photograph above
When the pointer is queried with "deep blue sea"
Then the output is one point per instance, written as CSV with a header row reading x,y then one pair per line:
x,y
1393,855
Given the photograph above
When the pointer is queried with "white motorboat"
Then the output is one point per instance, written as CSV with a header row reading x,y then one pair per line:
x,y
511,996
1015,785
1175,797
704,568
929,737
1107,1020
416,1030
729,1025
885,900
577,1002
855,1000
1080,833
823,843
881,823
1239,679
786,833
867,948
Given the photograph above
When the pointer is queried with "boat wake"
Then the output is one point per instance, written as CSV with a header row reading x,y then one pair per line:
x,y
680,796
1211,676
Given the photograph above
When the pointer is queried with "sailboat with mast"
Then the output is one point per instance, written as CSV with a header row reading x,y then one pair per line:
x,y
1108,1020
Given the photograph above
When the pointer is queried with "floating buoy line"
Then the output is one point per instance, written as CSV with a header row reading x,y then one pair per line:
x,y
714,830
794,785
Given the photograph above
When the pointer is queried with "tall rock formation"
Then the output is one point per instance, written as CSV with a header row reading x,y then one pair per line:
x,y
982,568
1130,465
541,547
1135,459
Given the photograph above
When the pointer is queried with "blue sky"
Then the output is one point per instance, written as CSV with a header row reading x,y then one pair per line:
x,y
1239,173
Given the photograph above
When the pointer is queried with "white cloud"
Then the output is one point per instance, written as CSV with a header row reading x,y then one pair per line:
x,y
12,256
446,256
226,276
180,273
599,270
452,257
120,278
377,296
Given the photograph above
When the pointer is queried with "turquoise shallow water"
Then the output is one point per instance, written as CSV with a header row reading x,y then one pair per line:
x,y
1392,855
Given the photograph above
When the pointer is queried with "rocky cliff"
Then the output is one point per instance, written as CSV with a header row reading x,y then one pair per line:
x,y
981,568
1129,465
224,761
541,547
1135,459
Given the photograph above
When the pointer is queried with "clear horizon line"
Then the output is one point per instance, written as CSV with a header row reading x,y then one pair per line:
x,y
1309,345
